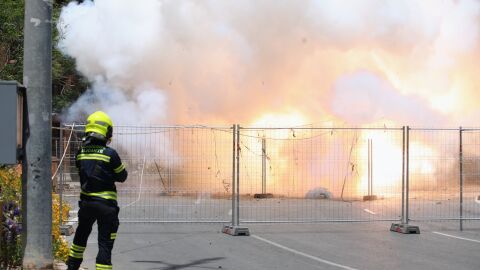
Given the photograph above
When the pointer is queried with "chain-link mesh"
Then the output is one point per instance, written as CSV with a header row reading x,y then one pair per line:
x,y
306,174
176,174
433,174
314,174
470,170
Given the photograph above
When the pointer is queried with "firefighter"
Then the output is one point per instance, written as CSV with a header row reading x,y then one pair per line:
x,y
99,167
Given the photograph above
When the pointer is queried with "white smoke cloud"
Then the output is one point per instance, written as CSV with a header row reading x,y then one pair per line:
x,y
145,106
363,97
234,61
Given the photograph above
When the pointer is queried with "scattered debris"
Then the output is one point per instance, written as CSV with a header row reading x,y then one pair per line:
x,y
263,196
318,193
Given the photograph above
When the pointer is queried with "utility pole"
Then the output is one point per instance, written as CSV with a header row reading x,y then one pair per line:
x,y
37,186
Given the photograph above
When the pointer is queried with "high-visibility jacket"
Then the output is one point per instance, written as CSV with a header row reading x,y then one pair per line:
x,y
99,167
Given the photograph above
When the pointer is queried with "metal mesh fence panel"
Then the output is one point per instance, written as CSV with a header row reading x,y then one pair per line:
x,y
320,174
434,190
470,184
176,174
296,175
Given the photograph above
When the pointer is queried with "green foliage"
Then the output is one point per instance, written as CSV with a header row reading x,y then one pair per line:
x,y
10,217
10,184
11,39
59,243
67,83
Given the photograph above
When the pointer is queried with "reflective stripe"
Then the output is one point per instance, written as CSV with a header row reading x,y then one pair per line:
x,y
103,266
76,251
102,123
113,236
77,248
108,195
93,157
74,254
120,168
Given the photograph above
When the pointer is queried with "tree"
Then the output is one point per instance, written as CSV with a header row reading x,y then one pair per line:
x,y
68,84
11,39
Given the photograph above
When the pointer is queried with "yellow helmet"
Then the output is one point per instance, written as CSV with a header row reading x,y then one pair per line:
x,y
100,123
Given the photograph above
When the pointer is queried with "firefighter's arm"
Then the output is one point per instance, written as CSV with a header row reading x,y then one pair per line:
x,y
77,162
118,168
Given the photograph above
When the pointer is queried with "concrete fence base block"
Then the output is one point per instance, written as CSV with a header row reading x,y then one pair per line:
x,y
369,197
405,228
263,196
236,230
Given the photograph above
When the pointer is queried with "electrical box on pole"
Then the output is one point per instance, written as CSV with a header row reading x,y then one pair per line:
x,y
12,96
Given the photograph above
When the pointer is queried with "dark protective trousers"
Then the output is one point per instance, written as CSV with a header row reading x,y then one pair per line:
x,y
106,216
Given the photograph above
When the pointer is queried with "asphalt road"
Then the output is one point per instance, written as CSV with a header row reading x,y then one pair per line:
x,y
290,246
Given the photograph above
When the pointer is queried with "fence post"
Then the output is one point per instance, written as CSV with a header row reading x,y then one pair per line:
x,y
234,173
403,172
60,177
461,178
407,176
238,176
371,167
264,166
235,229
264,194
404,227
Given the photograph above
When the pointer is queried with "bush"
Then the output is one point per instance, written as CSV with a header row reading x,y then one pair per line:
x,y
10,203
10,234
60,244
